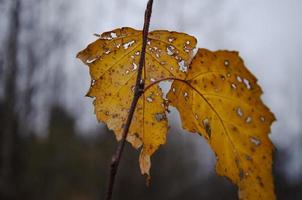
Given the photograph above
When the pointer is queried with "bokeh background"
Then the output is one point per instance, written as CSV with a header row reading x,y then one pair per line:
x,y
51,144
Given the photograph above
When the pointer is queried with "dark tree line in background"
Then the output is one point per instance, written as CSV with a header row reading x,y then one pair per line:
x,y
57,161
9,133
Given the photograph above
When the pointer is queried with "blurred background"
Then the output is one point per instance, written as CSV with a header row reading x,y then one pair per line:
x,y
50,142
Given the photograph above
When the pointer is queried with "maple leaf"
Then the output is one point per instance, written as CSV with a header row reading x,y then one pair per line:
x,y
113,62
220,100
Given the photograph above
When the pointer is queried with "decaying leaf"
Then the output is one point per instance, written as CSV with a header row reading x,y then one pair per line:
x,y
113,62
220,100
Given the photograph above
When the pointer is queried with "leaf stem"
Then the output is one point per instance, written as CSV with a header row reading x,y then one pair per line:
x,y
138,91
164,79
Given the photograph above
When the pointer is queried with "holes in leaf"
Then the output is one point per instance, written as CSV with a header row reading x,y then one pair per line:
x,y
113,35
92,82
134,66
187,48
185,95
262,119
239,112
248,120
239,79
127,72
107,51
183,66
234,86
137,53
173,90
152,79
196,116
171,39
160,116
149,99
128,44
91,60
255,141
170,50
207,127
133,88
247,84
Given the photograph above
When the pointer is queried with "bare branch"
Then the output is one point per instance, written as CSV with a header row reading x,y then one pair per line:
x,y
139,88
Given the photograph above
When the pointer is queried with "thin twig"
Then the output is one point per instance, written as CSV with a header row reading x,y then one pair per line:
x,y
138,91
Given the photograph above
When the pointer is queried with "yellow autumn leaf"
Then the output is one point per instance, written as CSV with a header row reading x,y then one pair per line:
x,y
220,100
113,62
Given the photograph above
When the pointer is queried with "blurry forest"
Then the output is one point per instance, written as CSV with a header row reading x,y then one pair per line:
x,y
44,154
